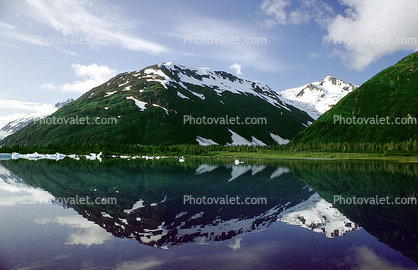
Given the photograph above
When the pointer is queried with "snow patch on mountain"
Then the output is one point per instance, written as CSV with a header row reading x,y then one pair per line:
x,y
317,97
138,103
205,142
110,93
182,96
155,105
156,75
279,140
239,140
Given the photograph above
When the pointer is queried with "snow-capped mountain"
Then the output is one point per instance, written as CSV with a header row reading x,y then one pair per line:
x,y
319,216
17,124
317,97
173,104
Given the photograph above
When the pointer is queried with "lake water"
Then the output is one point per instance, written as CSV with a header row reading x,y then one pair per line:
x,y
166,214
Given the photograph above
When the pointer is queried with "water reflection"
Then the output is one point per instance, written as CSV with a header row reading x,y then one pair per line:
x,y
89,233
150,206
393,224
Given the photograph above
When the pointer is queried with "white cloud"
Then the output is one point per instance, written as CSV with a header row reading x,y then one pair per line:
x,y
34,109
313,55
276,10
197,26
237,68
89,233
72,18
19,105
17,192
369,21
92,76
9,32
286,12
364,258
365,32
236,243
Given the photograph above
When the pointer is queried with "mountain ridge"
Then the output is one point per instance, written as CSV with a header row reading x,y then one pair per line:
x,y
151,104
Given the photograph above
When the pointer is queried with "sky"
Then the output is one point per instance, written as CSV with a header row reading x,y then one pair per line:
x,y
53,50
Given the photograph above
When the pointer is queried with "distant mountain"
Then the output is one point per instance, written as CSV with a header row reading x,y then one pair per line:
x,y
383,109
59,105
17,124
169,104
317,97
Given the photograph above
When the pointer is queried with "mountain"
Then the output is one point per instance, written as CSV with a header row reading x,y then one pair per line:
x,y
17,124
169,104
317,97
383,109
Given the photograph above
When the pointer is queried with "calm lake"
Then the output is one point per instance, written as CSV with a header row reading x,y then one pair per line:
x,y
207,214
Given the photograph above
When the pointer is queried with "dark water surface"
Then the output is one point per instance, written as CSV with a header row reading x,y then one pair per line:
x,y
141,221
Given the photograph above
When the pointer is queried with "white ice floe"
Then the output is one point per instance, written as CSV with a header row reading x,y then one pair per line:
x,y
36,156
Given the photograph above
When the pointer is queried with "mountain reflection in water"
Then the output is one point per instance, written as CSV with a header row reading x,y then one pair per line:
x,y
150,194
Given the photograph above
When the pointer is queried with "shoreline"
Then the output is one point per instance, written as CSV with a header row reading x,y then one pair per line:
x,y
317,156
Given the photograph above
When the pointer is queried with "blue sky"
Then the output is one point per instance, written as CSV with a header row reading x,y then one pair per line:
x,y
45,57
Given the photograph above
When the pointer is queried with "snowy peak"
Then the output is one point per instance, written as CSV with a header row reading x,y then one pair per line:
x,y
219,81
317,97
334,84
63,103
